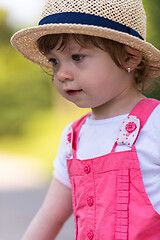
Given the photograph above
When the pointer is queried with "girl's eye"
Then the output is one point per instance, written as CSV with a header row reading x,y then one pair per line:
x,y
54,61
77,57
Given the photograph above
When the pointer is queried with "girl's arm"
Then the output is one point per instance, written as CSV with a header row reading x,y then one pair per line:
x,y
55,210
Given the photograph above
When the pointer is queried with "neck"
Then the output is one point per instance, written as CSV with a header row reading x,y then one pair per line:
x,y
119,106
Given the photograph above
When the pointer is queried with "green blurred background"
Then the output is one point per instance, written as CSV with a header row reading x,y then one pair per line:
x,y
32,114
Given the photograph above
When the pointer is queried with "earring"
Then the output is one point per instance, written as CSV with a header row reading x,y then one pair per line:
x,y
129,70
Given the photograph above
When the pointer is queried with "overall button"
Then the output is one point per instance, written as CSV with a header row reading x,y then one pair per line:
x,y
90,235
130,127
87,168
90,201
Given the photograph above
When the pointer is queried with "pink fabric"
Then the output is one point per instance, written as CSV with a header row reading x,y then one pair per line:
x,y
109,198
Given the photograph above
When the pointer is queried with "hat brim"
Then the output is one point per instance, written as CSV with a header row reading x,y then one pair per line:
x,y
25,41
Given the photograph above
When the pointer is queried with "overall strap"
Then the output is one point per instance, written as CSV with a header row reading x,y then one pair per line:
x,y
76,126
143,110
134,122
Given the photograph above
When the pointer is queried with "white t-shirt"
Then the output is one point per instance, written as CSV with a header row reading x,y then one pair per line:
x,y
100,135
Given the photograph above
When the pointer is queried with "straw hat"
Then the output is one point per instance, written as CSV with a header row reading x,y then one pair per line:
x,y
121,20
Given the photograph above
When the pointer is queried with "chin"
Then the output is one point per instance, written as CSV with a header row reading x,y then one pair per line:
x,y
82,105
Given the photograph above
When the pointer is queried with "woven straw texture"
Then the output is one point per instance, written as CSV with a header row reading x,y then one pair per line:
x,y
127,12
119,11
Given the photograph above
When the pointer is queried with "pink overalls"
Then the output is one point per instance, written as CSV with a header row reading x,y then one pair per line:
x,y
109,198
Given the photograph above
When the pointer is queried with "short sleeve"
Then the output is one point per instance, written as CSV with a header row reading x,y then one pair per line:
x,y
60,164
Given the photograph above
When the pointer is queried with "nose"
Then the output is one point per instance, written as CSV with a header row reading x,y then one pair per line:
x,y
64,74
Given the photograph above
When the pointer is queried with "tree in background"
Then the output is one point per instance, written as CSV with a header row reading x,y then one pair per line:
x,y
152,9
5,29
24,89
153,20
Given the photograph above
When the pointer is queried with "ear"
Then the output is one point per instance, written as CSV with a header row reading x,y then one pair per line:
x,y
134,59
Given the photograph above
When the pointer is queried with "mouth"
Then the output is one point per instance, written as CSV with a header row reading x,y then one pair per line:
x,y
73,92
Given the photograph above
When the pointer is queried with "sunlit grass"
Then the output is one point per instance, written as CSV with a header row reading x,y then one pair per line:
x,y
42,133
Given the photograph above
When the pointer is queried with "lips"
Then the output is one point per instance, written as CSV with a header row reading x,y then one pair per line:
x,y
72,92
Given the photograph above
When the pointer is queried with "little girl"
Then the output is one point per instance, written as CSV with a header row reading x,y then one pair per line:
x,y
108,163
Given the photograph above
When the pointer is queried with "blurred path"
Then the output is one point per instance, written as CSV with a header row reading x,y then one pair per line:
x,y
20,172
22,190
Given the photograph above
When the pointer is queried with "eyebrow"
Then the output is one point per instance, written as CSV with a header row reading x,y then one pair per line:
x,y
76,46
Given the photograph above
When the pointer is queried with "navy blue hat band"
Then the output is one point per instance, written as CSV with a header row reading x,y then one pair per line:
x,y
87,19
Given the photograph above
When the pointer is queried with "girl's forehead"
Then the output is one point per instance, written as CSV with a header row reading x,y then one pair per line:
x,y
66,43
76,40
70,44
69,47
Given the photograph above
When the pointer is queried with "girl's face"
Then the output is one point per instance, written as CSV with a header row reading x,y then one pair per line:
x,y
89,78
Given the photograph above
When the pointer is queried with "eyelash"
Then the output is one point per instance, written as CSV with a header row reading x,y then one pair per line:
x,y
54,61
75,57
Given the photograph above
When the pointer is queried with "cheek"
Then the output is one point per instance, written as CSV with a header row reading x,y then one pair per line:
x,y
55,83
57,86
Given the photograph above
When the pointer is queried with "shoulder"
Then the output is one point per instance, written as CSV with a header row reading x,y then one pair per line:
x,y
66,130
80,121
72,126
152,125
154,118
150,134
